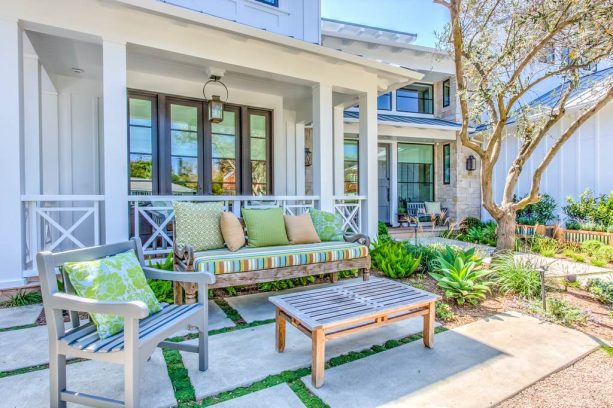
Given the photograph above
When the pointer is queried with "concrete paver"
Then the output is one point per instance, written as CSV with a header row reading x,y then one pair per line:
x,y
19,316
278,396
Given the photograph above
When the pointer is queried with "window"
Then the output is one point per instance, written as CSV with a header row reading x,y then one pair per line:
x,y
274,3
446,93
384,102
415,173
447,164
416,98
175,150
351,167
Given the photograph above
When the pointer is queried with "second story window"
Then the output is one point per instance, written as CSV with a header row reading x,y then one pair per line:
x,y
384,102
415,98
274,3
446,93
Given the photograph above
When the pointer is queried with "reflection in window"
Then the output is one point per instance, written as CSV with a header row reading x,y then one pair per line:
x,y
446,164
184,149
446,93
258,155
415,173
416,98
223,136
351,167
141,146
384,102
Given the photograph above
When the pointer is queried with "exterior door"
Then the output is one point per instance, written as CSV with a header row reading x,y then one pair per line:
x,y
383,165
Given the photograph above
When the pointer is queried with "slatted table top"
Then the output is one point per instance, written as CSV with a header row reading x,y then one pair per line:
x,y
351,301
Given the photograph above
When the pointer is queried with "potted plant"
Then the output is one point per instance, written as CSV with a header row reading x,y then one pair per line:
x,y
402,217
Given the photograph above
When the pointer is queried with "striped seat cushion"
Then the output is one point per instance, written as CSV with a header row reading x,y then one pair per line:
x,y
221,261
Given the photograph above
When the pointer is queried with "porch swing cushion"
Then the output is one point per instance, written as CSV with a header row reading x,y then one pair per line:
x,y
247,259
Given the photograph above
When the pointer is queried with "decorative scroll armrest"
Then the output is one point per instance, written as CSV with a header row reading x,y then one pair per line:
x,y
359,238
183,257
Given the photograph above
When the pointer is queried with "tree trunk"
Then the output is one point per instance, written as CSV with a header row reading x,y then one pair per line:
x,y
505,232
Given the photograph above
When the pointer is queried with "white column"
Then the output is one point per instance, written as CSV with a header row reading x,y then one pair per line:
x,y
394,183
339,150
323,183
300,170
368,161
11,182
31,124
115,176
290,153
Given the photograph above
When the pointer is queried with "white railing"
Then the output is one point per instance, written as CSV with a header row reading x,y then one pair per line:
x,y
350,208
59,222
156,213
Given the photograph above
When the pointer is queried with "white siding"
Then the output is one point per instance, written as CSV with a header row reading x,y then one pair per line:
x,y
583,162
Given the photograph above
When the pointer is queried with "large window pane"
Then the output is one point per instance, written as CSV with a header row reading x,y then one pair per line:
x,y
258,133
184,149
141,146
351,167
384,102
416,98
224,177
224,154
415,173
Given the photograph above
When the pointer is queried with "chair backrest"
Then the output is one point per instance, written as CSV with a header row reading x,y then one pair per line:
x,y
48,262
414,208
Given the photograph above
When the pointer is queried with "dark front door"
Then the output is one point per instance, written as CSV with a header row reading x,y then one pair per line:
x,y
383,165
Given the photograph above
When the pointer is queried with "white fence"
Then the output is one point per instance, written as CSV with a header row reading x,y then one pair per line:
x,y
350,208
59,222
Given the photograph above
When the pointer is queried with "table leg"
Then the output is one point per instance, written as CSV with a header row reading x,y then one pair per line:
x,y
319,357
280,330
429,326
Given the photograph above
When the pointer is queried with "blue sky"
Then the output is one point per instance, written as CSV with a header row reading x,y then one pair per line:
x,y
415,16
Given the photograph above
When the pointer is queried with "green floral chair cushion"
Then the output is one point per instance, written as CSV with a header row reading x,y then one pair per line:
x,y
329,226
118,277
198,225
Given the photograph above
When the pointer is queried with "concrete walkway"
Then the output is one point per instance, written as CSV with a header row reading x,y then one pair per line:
x,y
279,396
19,316
477,365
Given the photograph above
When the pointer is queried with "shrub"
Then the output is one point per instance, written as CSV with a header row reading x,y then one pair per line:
x,y
541,212
383,232
23,298
598,262
605,252
461,281
544,245
162,289
603,290
591,246
516,275
575,256
470,222
593,212
393,259
444,312
564,313
482,234
428,254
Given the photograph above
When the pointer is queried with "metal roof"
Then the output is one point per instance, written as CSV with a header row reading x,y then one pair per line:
x,y
408,120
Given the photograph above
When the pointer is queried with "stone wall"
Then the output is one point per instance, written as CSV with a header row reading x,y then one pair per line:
x,y
468,196
445,193
448,112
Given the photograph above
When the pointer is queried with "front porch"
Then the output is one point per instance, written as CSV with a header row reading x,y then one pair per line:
x,y
114,130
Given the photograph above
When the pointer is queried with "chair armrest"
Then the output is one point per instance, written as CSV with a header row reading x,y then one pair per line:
x,y
133,309
359,238
183,256
194,277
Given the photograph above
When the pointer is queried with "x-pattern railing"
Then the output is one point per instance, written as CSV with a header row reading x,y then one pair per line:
x,y
350,209
157,213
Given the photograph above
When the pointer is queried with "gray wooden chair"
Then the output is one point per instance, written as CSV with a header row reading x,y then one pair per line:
x,y
134,345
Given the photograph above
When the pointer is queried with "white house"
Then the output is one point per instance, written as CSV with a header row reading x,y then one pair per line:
x,y
105,120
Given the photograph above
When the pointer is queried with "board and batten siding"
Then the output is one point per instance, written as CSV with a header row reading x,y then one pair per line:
x,y
585,161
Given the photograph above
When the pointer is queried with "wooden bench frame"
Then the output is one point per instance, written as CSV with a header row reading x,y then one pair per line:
x,y
184,262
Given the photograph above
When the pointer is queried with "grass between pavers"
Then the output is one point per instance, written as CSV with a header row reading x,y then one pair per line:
x,y
39,367
23,326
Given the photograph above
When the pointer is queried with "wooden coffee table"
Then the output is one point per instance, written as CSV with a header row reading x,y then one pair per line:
x,y
335,311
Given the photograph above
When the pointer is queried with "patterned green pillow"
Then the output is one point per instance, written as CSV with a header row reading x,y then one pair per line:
x,y
265,227
117,277
197,224
329,226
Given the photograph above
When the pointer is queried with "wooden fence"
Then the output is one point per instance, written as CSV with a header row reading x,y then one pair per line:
x,y
563,234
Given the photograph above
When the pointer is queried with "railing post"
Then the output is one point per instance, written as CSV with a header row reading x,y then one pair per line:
x,y
96,222
136,220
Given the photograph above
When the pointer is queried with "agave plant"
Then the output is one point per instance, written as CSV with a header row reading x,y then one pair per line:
x,y
394,260
450,253
461,280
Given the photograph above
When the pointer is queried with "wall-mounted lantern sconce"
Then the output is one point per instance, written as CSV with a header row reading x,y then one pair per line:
x,y
216,105
308,157
471,163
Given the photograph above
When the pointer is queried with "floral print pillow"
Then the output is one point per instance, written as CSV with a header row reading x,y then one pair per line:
x,y
329,226
117,277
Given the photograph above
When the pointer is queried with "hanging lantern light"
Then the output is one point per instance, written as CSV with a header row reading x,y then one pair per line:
x,y
215,104
471,163
308,157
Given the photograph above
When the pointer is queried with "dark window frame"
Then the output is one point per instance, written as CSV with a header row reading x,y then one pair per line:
x,y
446,93
432,167
428,107
161,153
447,163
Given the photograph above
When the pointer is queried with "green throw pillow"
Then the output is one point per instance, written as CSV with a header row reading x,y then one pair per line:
x,y
265,227
117,277
433,207
329,226
197,224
